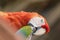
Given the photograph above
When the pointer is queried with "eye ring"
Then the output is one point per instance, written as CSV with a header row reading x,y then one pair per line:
x,y
42,20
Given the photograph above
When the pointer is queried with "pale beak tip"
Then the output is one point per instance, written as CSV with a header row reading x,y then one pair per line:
x,y
40,32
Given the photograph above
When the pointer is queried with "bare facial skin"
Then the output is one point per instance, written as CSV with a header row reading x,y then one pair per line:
x,y
38,22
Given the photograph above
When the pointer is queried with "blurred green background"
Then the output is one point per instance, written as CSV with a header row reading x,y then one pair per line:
x,y
50,9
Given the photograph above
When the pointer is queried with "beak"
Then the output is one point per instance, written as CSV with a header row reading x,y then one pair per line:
x,y
46,27
40,32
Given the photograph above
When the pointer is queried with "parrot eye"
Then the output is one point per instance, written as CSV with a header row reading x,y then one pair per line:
x,y
42,21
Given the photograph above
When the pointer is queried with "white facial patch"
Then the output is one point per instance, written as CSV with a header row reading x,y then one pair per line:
x,y
40,32
37,21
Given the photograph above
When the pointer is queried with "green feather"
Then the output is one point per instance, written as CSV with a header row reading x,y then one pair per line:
x,y
26,31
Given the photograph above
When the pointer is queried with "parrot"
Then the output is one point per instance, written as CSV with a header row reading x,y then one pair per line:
x,y
26,24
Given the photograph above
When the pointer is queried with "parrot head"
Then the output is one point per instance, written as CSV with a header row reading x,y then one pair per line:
x,y
39,26
36,26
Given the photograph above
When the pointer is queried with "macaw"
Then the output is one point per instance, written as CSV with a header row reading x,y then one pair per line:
x,y
26,23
